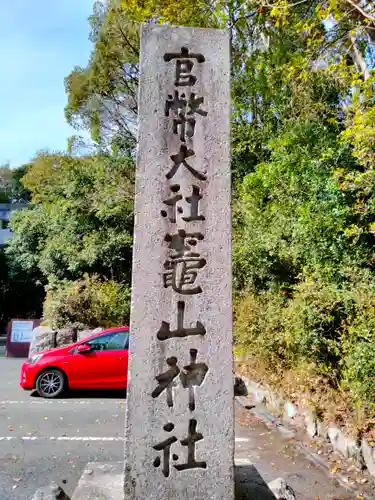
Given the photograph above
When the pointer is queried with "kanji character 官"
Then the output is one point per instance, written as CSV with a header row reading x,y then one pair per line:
x,y
184,65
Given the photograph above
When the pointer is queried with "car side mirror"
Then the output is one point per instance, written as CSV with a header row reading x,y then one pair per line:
x,y
83,348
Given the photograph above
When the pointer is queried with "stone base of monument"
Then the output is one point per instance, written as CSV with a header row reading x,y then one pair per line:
x,y
105,481
50,492
101,481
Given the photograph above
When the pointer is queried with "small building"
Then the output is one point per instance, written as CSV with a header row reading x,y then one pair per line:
x,y
5,211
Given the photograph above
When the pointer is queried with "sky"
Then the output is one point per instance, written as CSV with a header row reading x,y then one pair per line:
x,y
40,43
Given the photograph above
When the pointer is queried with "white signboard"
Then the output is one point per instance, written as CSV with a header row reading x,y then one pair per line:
x,y
21,331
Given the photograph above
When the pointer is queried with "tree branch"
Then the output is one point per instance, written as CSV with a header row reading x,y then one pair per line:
x,y
363,12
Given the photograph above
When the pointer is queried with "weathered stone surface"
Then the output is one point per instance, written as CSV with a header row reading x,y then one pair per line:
x,y
368,456
101,481
181,314
281,489
311,422
43,338
50,492
345,445
290,411
66,336
322,429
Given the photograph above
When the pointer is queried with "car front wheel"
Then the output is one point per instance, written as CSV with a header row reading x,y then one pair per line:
x,y
50,384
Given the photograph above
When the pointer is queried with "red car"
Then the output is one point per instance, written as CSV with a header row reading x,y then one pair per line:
x,y
96,362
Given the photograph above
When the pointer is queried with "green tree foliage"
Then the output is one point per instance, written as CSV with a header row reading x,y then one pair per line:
x,y
80,222
102,97
303,155
11,188
88,302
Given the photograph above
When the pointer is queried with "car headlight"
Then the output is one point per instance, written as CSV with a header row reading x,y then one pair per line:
x,y
34,359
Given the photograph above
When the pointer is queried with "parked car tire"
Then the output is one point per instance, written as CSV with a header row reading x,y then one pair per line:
x,y
50,383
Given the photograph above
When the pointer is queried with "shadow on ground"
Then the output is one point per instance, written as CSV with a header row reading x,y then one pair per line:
x,y
250,485
88,394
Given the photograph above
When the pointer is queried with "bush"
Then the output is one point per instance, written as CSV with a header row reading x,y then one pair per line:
x,y
329,326
89,302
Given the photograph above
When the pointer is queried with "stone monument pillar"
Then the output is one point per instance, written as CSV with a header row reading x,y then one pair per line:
x,y
180,410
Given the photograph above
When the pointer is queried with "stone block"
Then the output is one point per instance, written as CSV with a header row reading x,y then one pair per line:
x,y
311,422
51,492
43,337
322,429
368,456
281,489
65,336
347,446
101,481
290,411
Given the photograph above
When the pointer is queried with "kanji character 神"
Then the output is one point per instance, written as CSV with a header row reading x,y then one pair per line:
x,y
166,381
193,375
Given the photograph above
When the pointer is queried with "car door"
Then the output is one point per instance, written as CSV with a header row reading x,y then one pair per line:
x,y
117,358
102,367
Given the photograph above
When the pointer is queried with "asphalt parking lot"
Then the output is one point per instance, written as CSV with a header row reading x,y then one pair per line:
x,y
53,440
42,441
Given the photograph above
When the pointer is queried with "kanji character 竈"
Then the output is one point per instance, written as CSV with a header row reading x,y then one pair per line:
x,y
166,333
182,242
192,438
192,200
182,266
180,272
165,447
166,381
193,375
180,159
184,65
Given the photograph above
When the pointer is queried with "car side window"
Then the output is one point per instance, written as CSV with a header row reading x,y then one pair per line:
x,y
115,341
